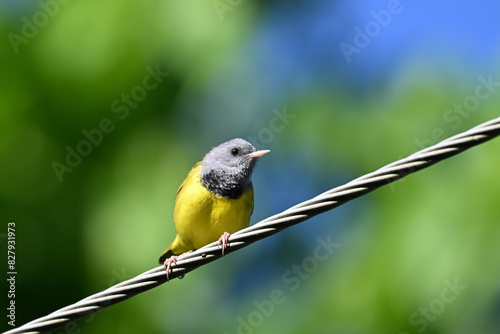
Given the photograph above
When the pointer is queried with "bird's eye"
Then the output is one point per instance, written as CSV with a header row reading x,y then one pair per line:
x,y
235,151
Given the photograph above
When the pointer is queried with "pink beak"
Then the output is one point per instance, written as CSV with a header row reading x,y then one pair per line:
x,y
257,154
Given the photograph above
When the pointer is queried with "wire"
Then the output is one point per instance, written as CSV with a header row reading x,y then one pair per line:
x,y
269,226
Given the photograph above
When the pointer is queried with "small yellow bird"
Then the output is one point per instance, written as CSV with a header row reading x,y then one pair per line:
x,y
215,199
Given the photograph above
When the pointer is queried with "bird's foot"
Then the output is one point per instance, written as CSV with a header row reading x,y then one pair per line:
x,y
168,263
224,240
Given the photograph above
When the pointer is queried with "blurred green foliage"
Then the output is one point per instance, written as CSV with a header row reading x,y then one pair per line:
x,y
106,215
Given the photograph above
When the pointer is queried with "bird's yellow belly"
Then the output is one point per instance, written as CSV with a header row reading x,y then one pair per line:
x,y
201,217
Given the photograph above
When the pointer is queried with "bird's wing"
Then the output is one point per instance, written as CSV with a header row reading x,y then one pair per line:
x,y
197,166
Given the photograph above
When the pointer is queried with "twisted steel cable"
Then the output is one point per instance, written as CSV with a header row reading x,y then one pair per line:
x,y
269,226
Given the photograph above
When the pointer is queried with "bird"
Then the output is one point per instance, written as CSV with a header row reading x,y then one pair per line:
x,y
215,199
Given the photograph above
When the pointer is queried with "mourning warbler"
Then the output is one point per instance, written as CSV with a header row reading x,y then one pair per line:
x,y
215,199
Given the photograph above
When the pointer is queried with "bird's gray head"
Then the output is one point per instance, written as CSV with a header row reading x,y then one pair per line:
x,y
227,169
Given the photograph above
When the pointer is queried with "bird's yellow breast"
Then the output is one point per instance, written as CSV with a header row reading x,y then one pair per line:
x,y
201,217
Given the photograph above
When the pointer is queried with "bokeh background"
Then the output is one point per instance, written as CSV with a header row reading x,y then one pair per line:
x,y
334,89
